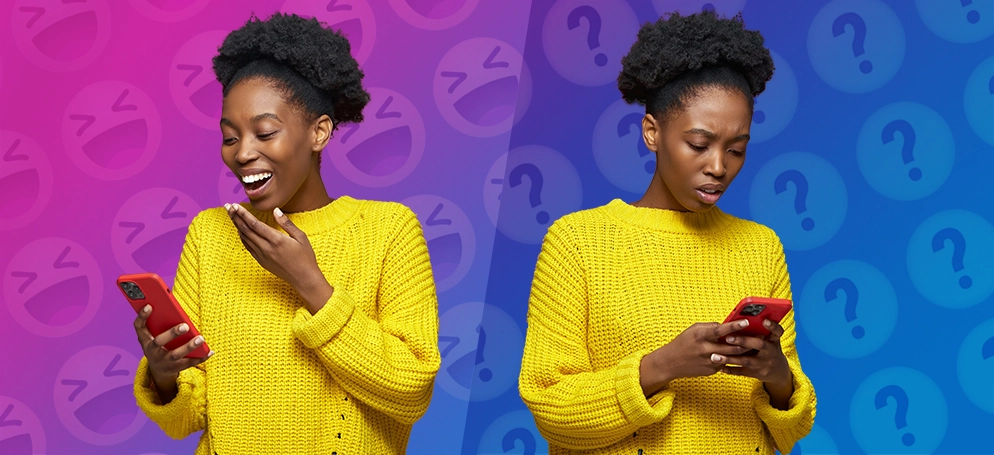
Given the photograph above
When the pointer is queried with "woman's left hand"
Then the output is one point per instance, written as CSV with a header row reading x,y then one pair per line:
x,y
290,258
768,365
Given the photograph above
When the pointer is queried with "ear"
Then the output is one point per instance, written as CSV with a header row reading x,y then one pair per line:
x,y
321,133
650,131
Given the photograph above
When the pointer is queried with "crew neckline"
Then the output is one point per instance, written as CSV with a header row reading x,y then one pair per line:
x,y
669,220
321,219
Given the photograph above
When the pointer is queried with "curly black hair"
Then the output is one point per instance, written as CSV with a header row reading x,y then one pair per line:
x,y
678,55
311,64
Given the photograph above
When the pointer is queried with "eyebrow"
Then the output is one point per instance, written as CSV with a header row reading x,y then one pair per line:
x,y
711,135
225,121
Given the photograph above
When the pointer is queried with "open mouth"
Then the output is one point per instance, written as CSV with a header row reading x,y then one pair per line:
x,y
255,184
17,445
22,188
489,104
109,412
436,9
68,39
120,146
61,303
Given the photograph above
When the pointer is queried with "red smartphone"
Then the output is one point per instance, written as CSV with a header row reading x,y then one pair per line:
x,y
148,289
756,310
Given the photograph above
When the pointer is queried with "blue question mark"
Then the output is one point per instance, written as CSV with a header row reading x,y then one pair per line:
x,y
594,30
973,16
987,351
625,127
519,434
887,135
535,193
848,288
901,415
959,249
859,30
801,185
485,374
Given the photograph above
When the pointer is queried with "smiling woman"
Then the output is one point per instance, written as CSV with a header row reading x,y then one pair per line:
x,y
620,356
321,312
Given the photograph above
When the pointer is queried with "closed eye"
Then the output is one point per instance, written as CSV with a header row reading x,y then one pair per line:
x,y
230,140
265,135
699,148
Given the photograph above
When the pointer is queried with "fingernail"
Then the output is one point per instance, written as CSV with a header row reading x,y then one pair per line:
x,y
227,206
183,328
731,339
768,323
210,353
279,212
715,358
744,323
147,309
198,340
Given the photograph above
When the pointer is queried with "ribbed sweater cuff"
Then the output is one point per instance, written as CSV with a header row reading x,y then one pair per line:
x,y
796,409
637,409
316,330
148,398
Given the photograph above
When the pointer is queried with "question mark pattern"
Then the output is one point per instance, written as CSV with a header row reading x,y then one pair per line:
x,y
857,303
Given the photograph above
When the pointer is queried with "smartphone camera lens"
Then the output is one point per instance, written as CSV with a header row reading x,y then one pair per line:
x,y
132,290
753,309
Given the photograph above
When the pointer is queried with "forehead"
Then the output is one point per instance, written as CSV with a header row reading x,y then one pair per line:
x,y
255,96
716,109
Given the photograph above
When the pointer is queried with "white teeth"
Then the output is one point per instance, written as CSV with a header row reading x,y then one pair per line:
x,y
710,191
256,177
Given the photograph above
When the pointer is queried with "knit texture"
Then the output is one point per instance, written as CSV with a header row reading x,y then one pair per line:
x,y
351,379
615,283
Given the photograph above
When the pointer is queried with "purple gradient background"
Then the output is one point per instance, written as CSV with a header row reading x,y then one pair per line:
x,y
87,210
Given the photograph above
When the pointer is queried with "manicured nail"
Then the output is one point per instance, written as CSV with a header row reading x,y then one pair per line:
x,y
209,354
744,323
227,206
279,213
147,308
730,339
768,323
715,358
198,340
183,328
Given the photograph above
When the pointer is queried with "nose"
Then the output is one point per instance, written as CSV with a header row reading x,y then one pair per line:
x,y
715,164
245,152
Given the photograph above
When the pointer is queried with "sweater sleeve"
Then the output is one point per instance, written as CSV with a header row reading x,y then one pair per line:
x,y
387,362
575,406
187,412
790,425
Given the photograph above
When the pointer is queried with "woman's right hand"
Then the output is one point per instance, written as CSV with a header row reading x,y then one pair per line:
x,y
689,355
164,365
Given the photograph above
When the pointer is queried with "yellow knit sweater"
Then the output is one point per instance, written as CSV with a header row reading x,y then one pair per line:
x,y
616,282
351,379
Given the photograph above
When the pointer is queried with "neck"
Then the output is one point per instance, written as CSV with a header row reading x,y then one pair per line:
x,y
312,195
658,196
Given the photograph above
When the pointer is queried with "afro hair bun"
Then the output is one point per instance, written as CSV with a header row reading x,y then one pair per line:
x,y
678,44
321,56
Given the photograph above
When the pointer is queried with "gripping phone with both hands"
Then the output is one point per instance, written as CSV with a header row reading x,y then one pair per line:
x,y
148,289
756,310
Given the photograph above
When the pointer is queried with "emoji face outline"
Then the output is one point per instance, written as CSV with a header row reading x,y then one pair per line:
x,y
441,219
344,16
111,116
406,12
149,229
17,415
33,24
19,155
92,381
42,272
482,87
192,84
389,118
